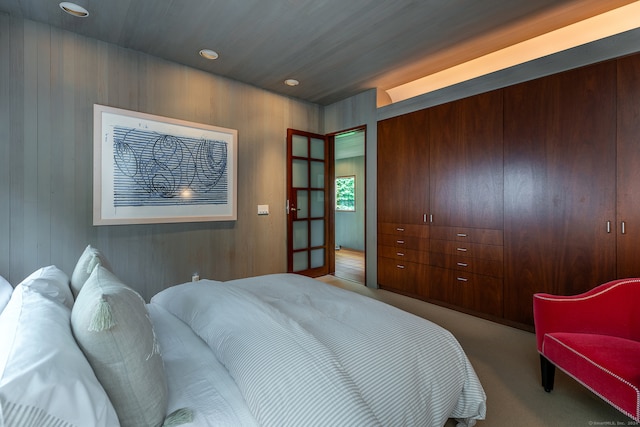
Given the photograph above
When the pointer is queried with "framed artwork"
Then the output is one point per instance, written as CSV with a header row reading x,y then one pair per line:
x,y
151,169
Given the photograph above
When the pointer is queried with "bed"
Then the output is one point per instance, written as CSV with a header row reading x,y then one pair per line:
x,y
273,350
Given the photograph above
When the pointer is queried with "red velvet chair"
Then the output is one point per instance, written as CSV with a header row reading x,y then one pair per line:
x,y
595,338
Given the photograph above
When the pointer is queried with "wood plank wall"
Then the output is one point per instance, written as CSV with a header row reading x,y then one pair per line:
x,y
49,81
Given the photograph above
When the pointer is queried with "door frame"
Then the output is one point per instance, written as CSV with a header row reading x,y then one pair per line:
x,y
332,143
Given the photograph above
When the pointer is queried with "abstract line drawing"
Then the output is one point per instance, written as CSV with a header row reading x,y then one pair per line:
x,y
153,169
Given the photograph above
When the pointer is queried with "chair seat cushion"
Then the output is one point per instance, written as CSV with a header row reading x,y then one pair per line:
x,y
607,365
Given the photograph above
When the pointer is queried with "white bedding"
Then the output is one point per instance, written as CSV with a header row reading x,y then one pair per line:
x,y
302,352
195,378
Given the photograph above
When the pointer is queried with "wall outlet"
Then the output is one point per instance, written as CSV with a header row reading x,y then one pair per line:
x,y
263,209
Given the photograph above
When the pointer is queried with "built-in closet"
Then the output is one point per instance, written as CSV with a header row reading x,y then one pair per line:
x,y
535,187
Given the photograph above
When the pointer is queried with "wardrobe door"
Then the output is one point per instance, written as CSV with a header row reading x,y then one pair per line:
x,y
466,162
559,185
628,210
403,204
403,169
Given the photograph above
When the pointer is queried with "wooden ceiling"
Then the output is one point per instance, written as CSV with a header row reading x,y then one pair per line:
x,y
335,48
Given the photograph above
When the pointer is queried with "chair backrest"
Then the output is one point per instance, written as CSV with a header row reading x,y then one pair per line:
x,y
618,305
607,309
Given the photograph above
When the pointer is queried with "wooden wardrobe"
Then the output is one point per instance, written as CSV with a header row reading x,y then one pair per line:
x,y
535,187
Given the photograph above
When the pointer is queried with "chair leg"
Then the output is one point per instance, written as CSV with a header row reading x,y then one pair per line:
x,y
548,371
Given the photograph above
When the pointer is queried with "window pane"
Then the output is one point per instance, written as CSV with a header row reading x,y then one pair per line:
x,y
346,193
317,232
317,204
300,235
317,175
317,258
303,204
300,261
317,148
299,146
300,173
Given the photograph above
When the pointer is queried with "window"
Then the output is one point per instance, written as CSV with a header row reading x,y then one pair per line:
x,y
346,193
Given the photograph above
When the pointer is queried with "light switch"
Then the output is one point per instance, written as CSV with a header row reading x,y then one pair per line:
x,y
263,209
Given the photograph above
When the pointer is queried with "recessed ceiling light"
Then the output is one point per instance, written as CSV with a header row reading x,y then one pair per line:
x,y
208,54
291,82
74,9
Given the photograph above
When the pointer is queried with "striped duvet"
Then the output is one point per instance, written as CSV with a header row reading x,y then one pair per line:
x,y
305,353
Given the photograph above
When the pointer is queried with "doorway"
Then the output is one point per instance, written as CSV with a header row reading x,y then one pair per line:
x,y
349,204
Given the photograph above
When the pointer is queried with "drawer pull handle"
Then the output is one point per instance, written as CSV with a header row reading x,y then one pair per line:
x,y
462,279
462,234
399,254
400,266
463,264
399,229
461,249
400,242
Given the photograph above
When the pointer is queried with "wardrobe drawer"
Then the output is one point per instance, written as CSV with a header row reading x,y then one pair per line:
x,y
486,267
473,235
471,291
405,242
404,254
407,277
403,229
471,250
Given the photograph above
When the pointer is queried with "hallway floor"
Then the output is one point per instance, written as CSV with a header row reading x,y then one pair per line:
x,y
350,265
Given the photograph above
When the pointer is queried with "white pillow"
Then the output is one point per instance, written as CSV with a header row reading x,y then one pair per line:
x,y
45,379
112,327
5,292
90,258
52,283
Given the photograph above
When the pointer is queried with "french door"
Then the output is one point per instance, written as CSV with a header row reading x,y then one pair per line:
x,y
308,201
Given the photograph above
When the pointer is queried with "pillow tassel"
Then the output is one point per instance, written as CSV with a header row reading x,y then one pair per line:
x,y
102,319
178,417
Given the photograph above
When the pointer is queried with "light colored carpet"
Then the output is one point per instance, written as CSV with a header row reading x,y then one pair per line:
x,y
508,365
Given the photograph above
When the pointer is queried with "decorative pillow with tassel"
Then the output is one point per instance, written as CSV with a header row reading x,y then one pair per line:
x,y
112,327
89,259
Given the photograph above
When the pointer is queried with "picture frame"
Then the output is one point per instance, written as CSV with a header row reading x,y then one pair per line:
x,y
149,169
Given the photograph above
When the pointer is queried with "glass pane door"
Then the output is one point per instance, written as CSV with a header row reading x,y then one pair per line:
x,y
307,208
